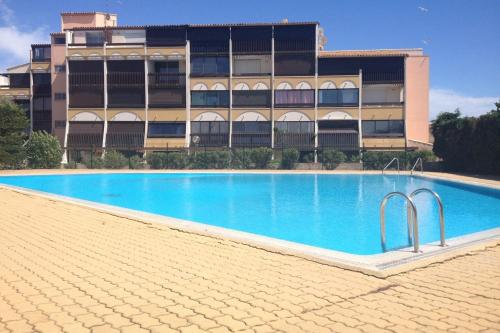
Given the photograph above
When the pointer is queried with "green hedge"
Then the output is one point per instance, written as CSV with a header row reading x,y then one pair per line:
x,y
468,144
332,158
289,158
377,160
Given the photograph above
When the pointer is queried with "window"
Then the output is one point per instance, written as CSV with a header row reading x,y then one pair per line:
x,y
205,66
94,37
383,128
216,98
59,40
60,68
209,127
59,96
166,130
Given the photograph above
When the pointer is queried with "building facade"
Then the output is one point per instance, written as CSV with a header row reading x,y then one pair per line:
x,y
98,84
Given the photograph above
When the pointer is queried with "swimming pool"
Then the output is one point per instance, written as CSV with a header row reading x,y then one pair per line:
x,y
335,212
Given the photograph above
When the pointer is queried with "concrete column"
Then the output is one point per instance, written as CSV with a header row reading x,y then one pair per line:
x,y
360,104
31,93
316,54
146,96
272,90
230,115
188,94
105,98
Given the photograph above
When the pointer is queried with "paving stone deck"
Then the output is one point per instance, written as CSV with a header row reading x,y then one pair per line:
x,y
69,268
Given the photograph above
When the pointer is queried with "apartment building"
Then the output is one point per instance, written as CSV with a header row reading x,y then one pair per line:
x,y
98,84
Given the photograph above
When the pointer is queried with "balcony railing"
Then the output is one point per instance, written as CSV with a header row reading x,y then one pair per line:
x,y
125,140
383,77
210,139
345,140
167,80
294,98
338,97
18,80
251,98
251,139
283,140
215,98
126,79
86,97
84,140
90,79
167,98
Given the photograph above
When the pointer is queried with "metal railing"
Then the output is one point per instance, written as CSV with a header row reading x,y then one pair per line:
x,y
411,220
419,160
441,210
390,163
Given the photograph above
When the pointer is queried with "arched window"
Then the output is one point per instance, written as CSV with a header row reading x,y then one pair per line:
x,y
337,115
208,116
347,85
126,116
218,86
241,86
260,86
86,116
303,85
200,86
294,116
328,85
284,86
251,116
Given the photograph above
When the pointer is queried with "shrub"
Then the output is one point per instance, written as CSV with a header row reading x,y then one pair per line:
x,y
261,157
136,162
307,157
13,132
289,157
92,160
242,159
175,160
155,160
377,160
43,151
114,160
211,160
332,158
71,165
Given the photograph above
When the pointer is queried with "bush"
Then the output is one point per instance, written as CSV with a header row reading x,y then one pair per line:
x,y
92,160
332,158
242,159
43,151
211,160
155,160
136,162
289,157
261,157
377,160
307,158
13,132
468,144
175,160
114,160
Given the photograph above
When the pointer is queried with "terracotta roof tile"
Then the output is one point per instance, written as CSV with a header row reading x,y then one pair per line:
x,y
370,53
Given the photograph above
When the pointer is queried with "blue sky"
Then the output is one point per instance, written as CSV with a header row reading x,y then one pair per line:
x,y
461,36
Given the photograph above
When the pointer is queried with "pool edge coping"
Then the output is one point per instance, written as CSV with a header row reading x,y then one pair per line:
x,y
379,265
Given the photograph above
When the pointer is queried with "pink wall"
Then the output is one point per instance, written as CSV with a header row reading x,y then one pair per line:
x,y
417,98
58,57
91,20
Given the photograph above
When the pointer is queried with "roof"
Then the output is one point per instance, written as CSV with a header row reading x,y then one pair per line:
x,y
85,13
202,25
41,45
22,68
371,53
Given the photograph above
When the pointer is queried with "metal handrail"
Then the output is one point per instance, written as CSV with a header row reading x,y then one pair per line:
x,y
415,165
389,164
411,219
441,211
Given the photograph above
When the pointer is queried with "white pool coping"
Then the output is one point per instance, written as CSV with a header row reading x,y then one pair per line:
x,y
381,265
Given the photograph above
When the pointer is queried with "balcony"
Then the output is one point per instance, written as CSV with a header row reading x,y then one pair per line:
x,y
298,134
85,134
383,77
294,64
18,80
40,53
126,89
382,95
294,98
338,134
166,80
207,66
210,133
169,98
210,99
383,128
125,135
127,37
338,97
251,65
88,38
86,90
251,98
247,134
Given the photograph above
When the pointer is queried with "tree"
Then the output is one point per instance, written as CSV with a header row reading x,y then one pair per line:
x,y
43,151
13,133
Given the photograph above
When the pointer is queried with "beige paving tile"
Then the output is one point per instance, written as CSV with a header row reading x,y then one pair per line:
x,y
73,269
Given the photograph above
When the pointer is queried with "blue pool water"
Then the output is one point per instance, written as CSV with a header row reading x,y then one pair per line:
x,y
338,212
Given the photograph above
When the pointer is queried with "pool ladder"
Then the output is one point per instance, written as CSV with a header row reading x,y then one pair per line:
x,y
411,217
395,159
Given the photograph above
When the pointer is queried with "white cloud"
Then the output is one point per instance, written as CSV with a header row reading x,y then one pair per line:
x,y
14,42
447,100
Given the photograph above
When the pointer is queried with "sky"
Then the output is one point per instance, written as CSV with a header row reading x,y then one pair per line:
x,y
462,37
